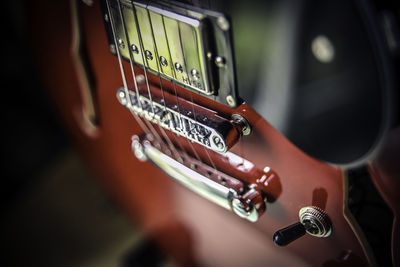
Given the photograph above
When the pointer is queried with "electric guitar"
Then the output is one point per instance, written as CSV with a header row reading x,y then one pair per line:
x,y
230,131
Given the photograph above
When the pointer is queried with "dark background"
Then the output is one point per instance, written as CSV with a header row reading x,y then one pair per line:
x,y
53,212
31,134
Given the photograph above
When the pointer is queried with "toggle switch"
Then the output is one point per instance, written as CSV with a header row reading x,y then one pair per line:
x,y
313,221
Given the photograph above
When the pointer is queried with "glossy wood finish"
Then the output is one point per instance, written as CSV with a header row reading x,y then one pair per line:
x,y
187,227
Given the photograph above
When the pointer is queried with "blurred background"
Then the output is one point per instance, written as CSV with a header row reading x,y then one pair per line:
x,y
53,212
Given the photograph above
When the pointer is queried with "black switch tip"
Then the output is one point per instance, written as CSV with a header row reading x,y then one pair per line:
x,y
288,234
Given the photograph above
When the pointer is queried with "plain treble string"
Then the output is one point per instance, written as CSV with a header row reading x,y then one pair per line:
x,y
128,99
171,145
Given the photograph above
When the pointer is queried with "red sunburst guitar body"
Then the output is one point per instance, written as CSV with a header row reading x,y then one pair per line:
x,y
188,228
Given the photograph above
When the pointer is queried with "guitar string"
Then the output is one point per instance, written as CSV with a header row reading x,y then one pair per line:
x,y
149,124
133,72
174,86
142,54
131,60
149,129
147,83
191,97
212,162
185,65
175,135
170,144
161,86
194,113
175,92
241,138
129,102
134,12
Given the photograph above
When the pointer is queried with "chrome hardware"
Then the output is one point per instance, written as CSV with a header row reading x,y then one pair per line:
x,y
134,49
163,61
219,61
248,209
240,210
121,96
178,67
179,121
162,32
231,101
121,43
195,74
223,23
218,142
244,124
316,221
149,55
181,37
246,203
137,149
313,221
113,49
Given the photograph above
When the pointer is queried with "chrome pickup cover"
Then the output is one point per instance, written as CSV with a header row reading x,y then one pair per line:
x,y
211,134
188,46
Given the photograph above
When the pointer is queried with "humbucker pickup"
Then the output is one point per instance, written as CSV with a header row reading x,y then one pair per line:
x,y
180,43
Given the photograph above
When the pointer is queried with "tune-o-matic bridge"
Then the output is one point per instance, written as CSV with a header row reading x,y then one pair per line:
x,y
211,131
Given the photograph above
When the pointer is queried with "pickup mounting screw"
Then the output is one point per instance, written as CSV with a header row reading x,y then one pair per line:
x,y
223,23
220,61
121,43
231,101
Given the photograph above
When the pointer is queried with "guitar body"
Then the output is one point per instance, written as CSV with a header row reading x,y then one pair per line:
x,y
188,228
